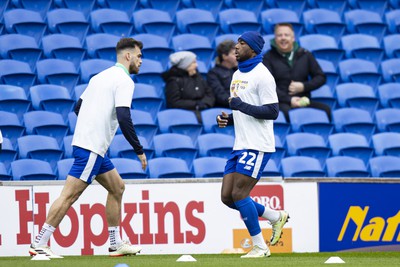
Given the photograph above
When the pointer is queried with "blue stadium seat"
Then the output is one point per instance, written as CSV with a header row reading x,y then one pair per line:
x,y
150,73
40,147
13,99
227,36
120,148
332,76
338,6
165,167
280,151
379,6
91,67
8,154
63,46
69,22
25,22
309,145
365,21
146,98
215,145
354,120
251,5
111,21
281,127
324,95
154,21
345,166
198,44
393,21
360,71
322,46
169,6
352,145
46,123
267,45
18,73
156,47
357,95
129,168
273,16
20,47
175,146
271,169
386,144
32,169
301,166
78,90
236,20
297,6
212,5
197,21
11,127
63,168
67,146
3,6
389,95
41,6
310,120
391,70
144,124
179,121
85,6
324,21
72,118
209,167
127,6
385,166
363,46
391,44
209,121
388,120
102,46
53,98
58,72
4,174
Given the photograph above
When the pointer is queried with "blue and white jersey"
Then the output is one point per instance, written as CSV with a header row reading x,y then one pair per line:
x,y
256,87
97,121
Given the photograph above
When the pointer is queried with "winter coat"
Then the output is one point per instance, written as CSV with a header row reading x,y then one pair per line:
x,y
219,79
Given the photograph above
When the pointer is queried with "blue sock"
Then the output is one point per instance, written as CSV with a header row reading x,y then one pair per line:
x,y
260,208
249,215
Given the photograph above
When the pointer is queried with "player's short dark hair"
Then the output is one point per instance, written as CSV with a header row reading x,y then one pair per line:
x,y
283,24
125,43
224,48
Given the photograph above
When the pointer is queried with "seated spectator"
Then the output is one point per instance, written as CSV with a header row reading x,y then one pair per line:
x,y
219,78
295,70
184,86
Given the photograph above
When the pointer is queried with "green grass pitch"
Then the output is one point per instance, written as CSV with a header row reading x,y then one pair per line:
x,y
291,259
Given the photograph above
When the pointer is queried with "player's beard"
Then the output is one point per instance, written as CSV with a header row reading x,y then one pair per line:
x,y
133,69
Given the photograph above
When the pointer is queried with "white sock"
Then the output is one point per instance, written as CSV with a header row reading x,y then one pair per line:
x,y
271,215
259,241
44,235
115,238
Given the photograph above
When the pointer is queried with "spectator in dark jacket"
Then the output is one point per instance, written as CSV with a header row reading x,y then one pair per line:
x,y
295,70
219,77
185,88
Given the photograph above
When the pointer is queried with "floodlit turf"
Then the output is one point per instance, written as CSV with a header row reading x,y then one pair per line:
x,y
293,259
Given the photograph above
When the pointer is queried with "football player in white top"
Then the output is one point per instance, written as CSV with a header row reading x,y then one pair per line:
x,y
255,106
103,106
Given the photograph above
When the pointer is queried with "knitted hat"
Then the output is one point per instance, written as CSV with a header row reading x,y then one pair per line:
x,y
254,40
182,59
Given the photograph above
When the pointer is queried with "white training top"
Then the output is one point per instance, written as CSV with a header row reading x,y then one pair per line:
x,y
256,87
1,138
97,120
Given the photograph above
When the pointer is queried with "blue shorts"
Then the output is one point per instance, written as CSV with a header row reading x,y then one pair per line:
x,y
248,162
87,164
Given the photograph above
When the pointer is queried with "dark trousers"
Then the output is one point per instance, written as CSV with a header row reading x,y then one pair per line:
x,y
284,107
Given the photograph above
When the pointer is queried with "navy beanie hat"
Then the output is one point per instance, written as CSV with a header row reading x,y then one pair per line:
x,y
254,40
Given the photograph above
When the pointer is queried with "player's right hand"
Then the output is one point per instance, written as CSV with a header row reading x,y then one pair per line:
x,y
143,160
222,120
